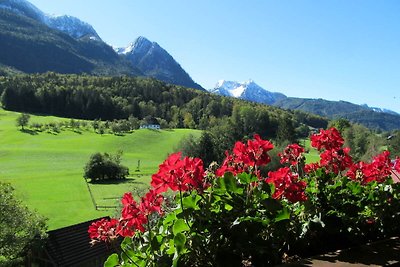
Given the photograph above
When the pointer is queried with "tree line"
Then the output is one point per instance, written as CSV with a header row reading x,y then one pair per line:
x,y
122,103
109,98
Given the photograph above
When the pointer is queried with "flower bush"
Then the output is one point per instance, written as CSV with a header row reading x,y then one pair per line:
x,y
237,215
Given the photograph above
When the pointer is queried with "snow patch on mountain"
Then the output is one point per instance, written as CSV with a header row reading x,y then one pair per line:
x,y
70,25
381,110
141,46
248,90
154,61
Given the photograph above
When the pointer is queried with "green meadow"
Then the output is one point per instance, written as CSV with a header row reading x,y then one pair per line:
x,y
312,153
46,169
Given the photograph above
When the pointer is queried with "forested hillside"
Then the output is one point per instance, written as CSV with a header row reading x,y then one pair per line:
x,y
342,109
109,98
30,46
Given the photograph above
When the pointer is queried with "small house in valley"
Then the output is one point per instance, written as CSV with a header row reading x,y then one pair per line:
x,y
150,123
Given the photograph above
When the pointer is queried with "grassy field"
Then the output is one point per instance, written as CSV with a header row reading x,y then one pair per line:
x,y
313,154
46,169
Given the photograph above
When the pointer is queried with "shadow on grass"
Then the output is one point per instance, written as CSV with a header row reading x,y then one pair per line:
x,y
117,181
28,131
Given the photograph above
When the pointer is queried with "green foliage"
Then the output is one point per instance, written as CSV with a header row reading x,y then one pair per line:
x,y
340,124
46,168
229,223
363,142
23,120
394,143
105,167
349,213
117,99
203,147
239,215
21,229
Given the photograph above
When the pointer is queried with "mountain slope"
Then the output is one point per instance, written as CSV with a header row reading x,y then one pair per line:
x,y
248,90
30,46
156,62
362,114
72,26
32,41
371,117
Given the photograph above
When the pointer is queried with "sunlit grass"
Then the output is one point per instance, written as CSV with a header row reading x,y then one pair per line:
x,y
312,154
46,169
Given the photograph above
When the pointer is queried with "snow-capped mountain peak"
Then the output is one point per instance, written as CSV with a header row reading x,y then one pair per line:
x,y
125,50
247,90
139,46
154,61
70,25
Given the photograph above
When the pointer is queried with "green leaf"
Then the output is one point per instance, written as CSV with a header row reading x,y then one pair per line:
x,y
190,202
283,215
180,226
272,205
230,182
168,220
228,207
180,241
171,250
263,221
244,178
126,243
112,261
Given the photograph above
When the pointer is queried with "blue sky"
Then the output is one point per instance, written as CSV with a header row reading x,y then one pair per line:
x,y
335,49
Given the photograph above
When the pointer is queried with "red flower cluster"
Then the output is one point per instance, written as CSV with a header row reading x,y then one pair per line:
x,y
378,170
287,184
134,217
336,160
246,156
327,139
174,173
311,167
292,154
103,230
179,174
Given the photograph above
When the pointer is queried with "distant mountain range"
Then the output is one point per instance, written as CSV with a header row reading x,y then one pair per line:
x,y
371,117
34,42
248,90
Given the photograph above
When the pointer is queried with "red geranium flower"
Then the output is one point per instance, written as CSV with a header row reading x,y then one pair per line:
x,y
292,154
151,202
247,156
311,167
327,139
287,185
336,160
378,170
132,217
179,175
103,230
